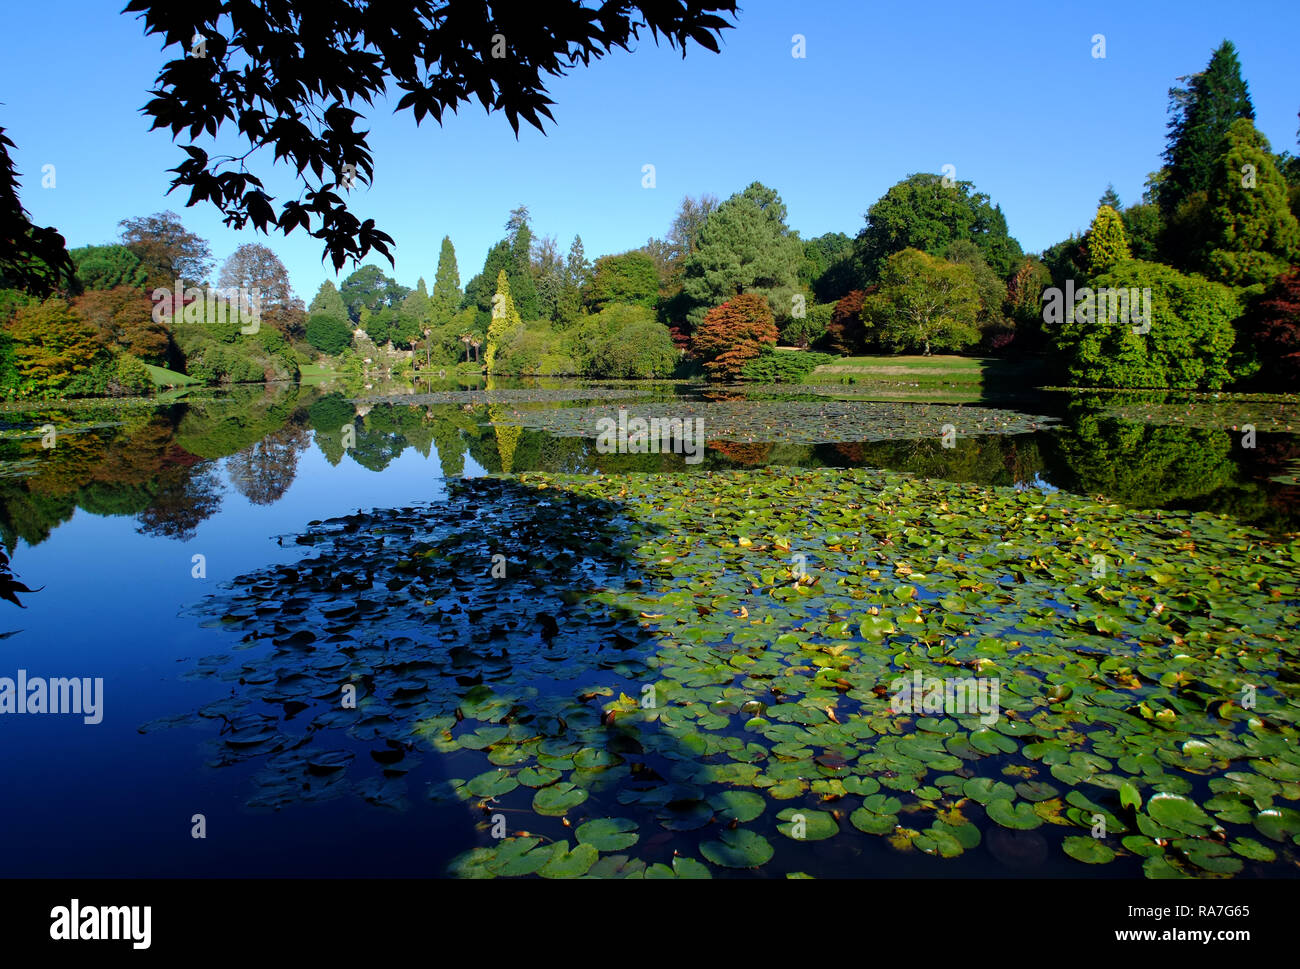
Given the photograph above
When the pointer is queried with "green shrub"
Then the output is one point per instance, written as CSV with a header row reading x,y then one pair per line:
x,y
329,334
773,366
1189,345
808,329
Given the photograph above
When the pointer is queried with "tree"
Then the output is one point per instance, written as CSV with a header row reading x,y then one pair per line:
x,y
927,212
446,286
256,270
522,286
1252,236
629,277
732,334
103,267
123,316
923,303
992,290
744,247
1110,197
482,288
1188,344
368,287
577,277
328,301
328,333
506,322
417,304
1201,114
1143,226
53,343
32,258
548,268
1271,331
316,63
845,332
167,250
828,268
1105,244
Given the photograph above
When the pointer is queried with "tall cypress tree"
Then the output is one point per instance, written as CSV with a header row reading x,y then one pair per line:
x,y
446,296
1202,113
522,283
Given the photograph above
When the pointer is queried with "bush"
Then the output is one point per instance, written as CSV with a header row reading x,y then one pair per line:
x,y
1188,346
774,366
804,331
641,350
329,334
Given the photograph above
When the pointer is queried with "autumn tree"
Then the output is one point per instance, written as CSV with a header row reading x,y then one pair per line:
x,y
845,333
123,316
255,269
1270,331
167,250
734,333
53,343
923,303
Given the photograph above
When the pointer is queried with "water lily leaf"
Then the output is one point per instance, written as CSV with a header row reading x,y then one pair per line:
x,y
1279,824
492,783
564,863
1020,817
740,848
608,834
1177,812
558,799
872,823
802,824
739,806
1091,851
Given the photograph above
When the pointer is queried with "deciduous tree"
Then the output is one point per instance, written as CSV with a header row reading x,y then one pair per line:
x,y
732,334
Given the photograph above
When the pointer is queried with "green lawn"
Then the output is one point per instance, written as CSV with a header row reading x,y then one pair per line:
x,y
162,377
935,370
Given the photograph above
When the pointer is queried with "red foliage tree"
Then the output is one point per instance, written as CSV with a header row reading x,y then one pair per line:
x,y
846,334
124,318
1272,329
732,334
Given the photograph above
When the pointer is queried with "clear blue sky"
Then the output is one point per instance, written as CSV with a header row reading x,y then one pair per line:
x,y
1009,93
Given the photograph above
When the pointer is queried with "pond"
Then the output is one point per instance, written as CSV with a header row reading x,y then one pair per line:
x,y
831,632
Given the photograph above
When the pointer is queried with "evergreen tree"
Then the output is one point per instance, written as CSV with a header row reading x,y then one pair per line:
x,y
577,277
328,301
522,283
418,305
1202,113
446,297
1110,197
1252,236
1105,244
744,247
506,321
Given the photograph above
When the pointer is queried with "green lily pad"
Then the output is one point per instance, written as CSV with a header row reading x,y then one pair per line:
x,y
608,834
740,848
1020,817
558,799
1091,851
802,824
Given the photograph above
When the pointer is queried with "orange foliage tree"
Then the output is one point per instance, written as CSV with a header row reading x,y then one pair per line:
x,y
124,316
733,334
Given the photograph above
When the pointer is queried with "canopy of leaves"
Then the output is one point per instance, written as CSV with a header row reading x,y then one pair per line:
x,y
505,320
733,334
328,333
167,250
52,344
1270,330
923,303
744,247
629,277
328,301
32,258
289,75
1188,346
123,316
368,286
103,267
927,212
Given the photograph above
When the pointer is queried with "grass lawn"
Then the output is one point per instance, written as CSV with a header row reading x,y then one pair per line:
x,y
162,377
934,370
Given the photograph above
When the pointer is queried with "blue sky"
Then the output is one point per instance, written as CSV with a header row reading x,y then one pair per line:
x,y
1008,93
